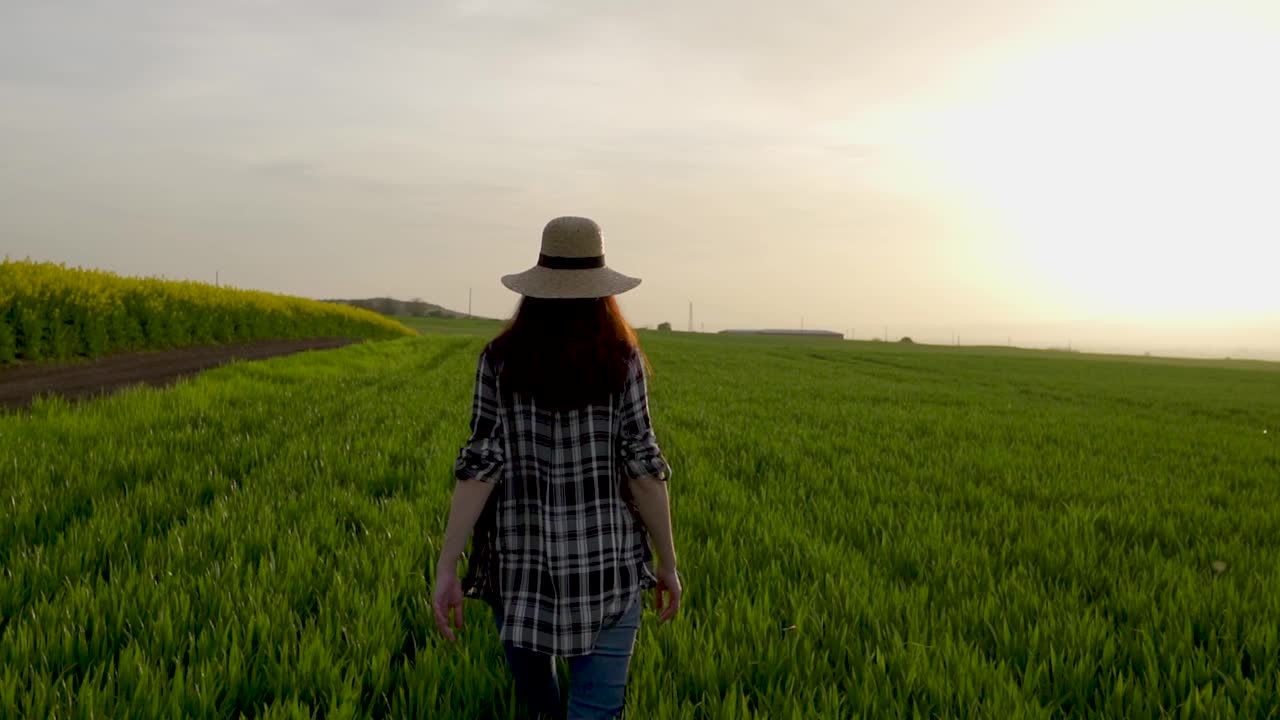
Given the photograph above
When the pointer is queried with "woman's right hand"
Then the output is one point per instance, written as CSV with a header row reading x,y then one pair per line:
x,y
668,594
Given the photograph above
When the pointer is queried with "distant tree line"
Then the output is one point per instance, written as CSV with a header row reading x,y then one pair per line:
x,y
416,307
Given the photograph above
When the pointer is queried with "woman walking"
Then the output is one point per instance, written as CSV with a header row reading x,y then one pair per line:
x,y
560,481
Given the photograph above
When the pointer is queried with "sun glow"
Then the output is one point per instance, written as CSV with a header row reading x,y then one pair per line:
x,y
1135,175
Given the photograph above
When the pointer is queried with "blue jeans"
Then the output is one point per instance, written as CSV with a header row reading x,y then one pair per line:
x,y
597,682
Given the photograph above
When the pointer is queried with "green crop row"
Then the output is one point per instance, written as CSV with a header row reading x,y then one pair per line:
x,y
863,531
51,312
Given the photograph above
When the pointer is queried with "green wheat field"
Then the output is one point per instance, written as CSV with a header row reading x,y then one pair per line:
x,y
865,530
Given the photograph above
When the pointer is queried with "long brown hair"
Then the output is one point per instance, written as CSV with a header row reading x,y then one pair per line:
x,y
565,354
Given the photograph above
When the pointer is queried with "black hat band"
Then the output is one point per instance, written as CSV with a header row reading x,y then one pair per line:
x,y
555,262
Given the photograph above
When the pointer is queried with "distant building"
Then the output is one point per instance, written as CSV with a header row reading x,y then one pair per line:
x,y
787,333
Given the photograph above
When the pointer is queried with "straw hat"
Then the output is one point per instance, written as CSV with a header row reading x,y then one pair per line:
x,y
571,264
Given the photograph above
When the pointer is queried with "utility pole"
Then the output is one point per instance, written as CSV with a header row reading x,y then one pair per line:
x,y
217,279
468,303
690,316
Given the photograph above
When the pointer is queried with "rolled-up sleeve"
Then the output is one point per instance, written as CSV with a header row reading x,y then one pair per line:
x,y
639,454
483,457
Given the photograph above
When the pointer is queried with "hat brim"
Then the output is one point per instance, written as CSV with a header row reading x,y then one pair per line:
x,y
541,282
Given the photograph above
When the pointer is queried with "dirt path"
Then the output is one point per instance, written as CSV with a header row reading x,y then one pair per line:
x,y
20,385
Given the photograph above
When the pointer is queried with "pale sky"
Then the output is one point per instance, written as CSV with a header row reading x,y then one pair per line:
x,y
1100,173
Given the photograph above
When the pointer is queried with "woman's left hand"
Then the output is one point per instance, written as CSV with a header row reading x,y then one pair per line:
x,y
447,603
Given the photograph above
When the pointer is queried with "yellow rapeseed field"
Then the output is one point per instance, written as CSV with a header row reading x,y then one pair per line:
x,y
50,311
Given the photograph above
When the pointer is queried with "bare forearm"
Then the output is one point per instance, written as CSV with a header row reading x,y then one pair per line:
x,y
469,498
654,504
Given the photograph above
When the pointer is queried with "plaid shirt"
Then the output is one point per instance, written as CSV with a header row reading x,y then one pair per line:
x,y
560,547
